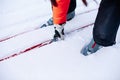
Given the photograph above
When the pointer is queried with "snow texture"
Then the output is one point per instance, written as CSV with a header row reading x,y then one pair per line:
x,y
60,60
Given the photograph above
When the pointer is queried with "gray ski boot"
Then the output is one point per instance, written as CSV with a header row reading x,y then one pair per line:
x,y
48,23
92,47
70,16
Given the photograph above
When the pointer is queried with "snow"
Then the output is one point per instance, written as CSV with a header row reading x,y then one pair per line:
x,y
60,60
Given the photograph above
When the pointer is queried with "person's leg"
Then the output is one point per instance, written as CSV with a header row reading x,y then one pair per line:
x,y
107,23
70,14
105,28
72,6
71,10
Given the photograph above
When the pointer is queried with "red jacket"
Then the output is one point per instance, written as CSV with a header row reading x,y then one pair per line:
x,y
60,11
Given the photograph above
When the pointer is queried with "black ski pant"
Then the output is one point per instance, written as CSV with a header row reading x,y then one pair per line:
x,y
72,6
107,22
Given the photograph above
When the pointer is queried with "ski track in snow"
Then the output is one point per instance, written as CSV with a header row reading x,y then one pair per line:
x,y
46,42
37,27
60,60
31,38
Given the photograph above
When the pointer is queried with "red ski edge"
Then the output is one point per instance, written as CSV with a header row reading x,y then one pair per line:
x,y
39,45
7,38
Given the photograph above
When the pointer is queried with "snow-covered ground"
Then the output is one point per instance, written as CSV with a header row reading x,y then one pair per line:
x,y
60,60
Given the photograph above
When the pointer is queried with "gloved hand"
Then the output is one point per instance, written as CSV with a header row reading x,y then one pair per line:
x,y
59,32
85,2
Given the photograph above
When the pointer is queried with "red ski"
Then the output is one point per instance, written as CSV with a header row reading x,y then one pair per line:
x,y
47,42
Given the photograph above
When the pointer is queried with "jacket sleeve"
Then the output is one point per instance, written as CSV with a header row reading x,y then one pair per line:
x,y
60,11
